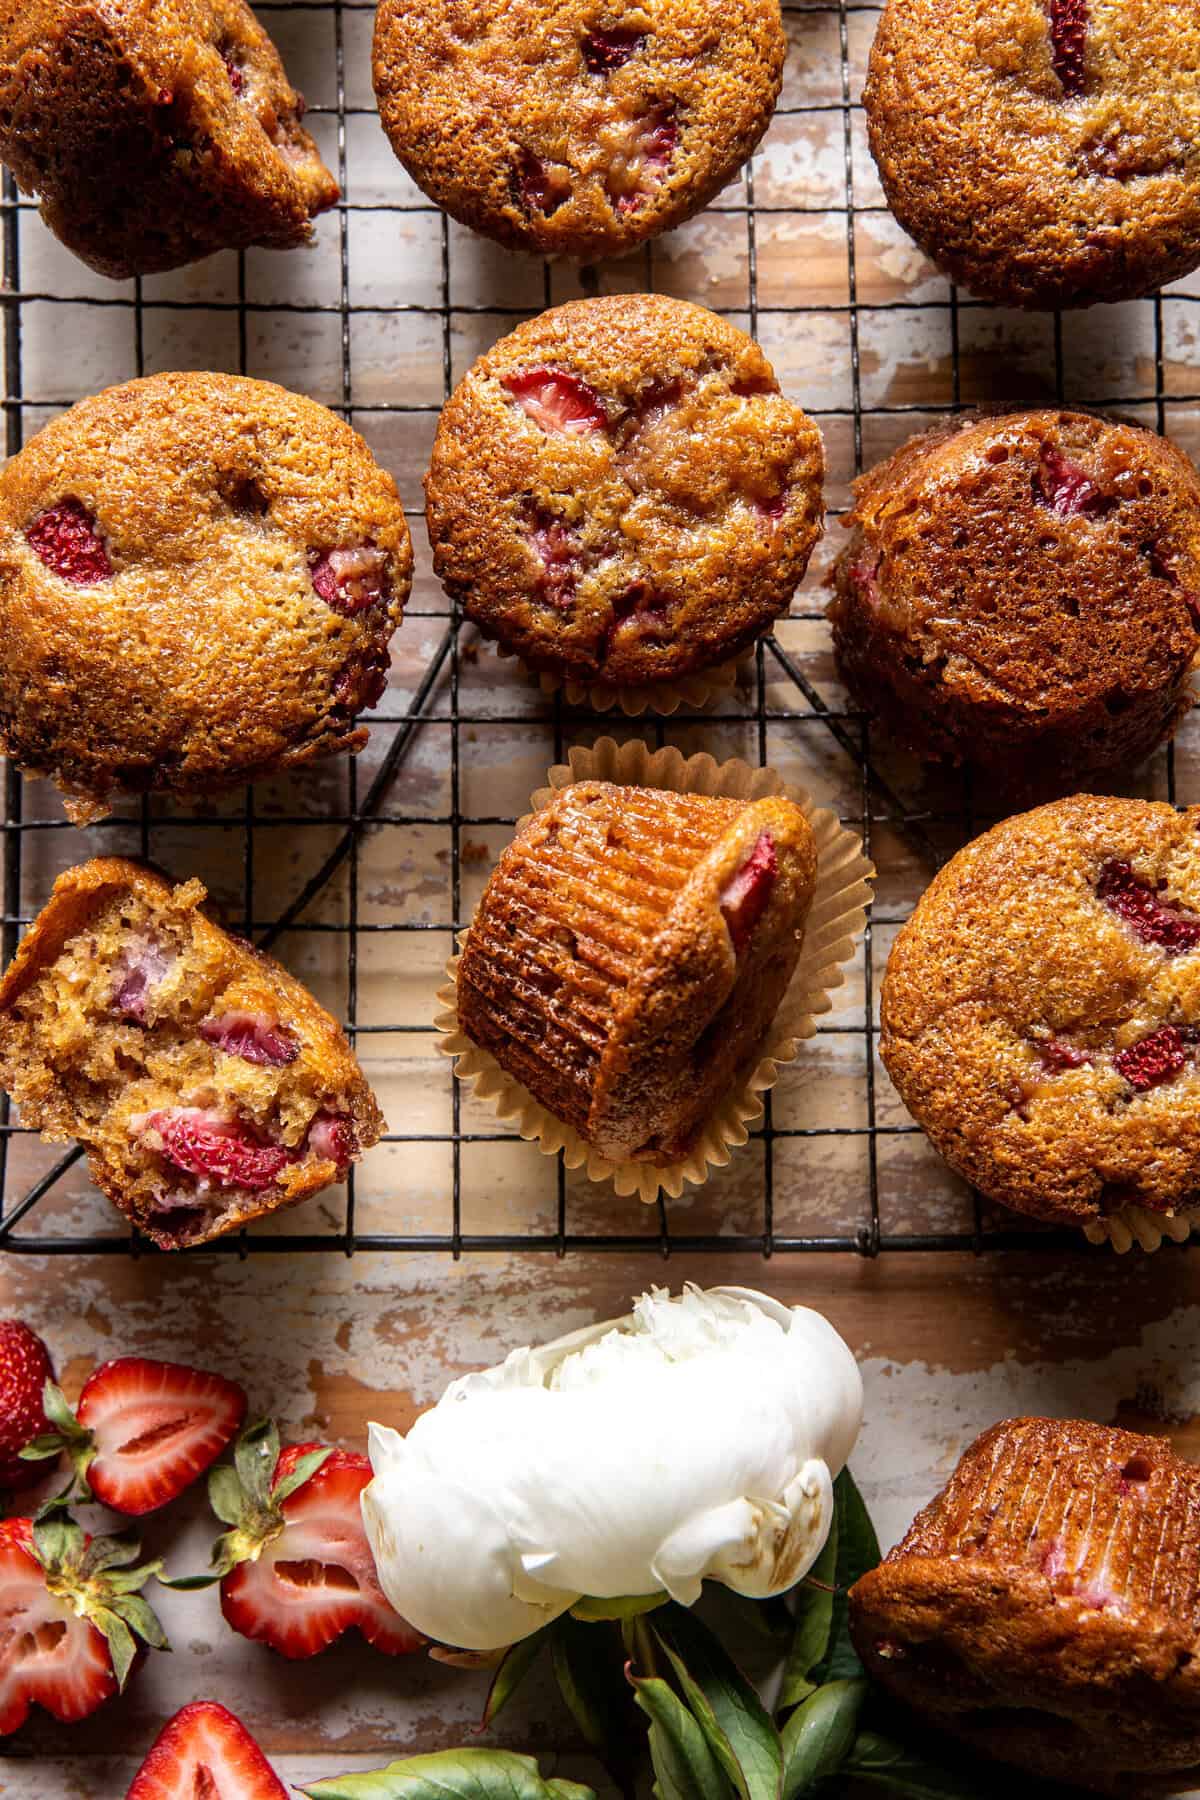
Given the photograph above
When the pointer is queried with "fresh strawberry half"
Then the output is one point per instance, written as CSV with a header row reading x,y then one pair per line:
x,y
70,1620
143,1431
295,1568
25,1368
561,403
205,1753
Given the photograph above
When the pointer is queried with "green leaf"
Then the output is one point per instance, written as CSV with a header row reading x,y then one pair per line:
x,y
453,1775
588,1665
141,1618
60,1414
819,1735
306,1467
632,1606
517,1661
879,1761
857,1551
57,1541
225,1493
255,1455
734,1721
814,1620
122,1647
188,1584
114,1553
684,1766
49,1444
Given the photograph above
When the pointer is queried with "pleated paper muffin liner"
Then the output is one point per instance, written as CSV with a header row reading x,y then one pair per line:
x,y
1137,1225
835,921
706,687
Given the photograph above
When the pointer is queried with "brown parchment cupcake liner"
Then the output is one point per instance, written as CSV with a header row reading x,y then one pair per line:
x,y
1137,1225
703,688
835,922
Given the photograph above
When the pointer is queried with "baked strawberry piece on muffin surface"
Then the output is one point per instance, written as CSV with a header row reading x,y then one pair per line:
x,y
206,1083
629,953
620,494
1021,592
199,578
572,129
1041,1011
1043,152
155,134
1043,1607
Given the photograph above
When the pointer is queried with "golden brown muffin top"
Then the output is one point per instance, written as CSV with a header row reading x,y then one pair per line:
x,y
199,575
1034,562
1041,1009
575,127
619,491
1043,153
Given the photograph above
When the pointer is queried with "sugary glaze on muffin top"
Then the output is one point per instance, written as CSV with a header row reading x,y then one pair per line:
x,y
199,576
1023,591
562,125
1041,1010
619,491
1043,153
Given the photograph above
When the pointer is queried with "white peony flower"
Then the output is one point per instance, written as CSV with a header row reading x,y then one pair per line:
x,y
698,1436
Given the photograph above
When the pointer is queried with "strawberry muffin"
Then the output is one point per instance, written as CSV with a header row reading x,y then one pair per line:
x,y
199,577
1021,592
565,127
629,953
1043,152
204,1081
1044,1606
1041,1012
620,493
155,133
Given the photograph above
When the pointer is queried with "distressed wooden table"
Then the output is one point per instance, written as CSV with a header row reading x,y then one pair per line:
x,y
387,310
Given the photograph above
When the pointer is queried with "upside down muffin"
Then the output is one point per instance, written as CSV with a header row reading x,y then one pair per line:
x,y
1021,592
1044,1607
1041,1011
199,577
629,952
567,127
206,1083
155,131
619,492
1043,152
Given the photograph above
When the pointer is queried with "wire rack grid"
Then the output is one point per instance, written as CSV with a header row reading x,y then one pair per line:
x,y
334,870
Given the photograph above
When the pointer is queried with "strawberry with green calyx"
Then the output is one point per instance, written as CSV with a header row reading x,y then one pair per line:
x,y
295,1567
74,1618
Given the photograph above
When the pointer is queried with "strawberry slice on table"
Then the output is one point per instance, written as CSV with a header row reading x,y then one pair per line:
x,y
205,1753
71,1615
295,1568
142,1432
25,1368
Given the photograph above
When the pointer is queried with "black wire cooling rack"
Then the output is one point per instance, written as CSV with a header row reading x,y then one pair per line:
x,y
789,699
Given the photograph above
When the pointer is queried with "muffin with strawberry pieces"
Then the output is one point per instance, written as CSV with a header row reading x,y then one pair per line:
x,y
1021,593
1043,1607
199,578
1044,153
566,127
1041,1015
155,134
630,952
205,1082
620,494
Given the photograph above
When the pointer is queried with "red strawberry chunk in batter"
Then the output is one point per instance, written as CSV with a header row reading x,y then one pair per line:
x,y
255,1037
557,550
1057,1055
236,74
744,898
1068,39
1064,487
1153,1060
1153,920
652,141
562,404
637,613
332,1138
543,188
349,580
65,538
606,50
143,965
213,1147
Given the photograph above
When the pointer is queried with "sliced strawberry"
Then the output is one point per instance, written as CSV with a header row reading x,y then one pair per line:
x,y
25,1369
66,538
296,1570
144,1431
255,1037
744,897
204,1753
69,1609
604,51
214,1148
561,403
